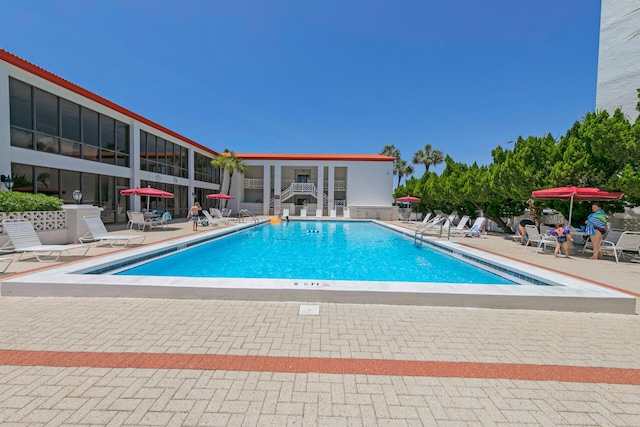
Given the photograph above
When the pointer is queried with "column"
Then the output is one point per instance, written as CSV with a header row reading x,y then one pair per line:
x,y
321,187
332,188
266,189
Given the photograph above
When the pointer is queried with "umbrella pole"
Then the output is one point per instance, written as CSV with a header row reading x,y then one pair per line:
x,y
570,211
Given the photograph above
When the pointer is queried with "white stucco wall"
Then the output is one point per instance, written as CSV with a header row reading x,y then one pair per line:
x,y
370,184
619,57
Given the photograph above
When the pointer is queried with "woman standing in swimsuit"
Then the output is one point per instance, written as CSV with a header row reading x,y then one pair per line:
x,y
596,227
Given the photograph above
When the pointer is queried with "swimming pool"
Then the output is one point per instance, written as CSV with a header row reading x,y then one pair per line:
x,y
86,279
318,250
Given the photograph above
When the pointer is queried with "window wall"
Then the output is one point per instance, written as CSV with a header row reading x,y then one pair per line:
x,y
97,190
162,156
45,122
204,171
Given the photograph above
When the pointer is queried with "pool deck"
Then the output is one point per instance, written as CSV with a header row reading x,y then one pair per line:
x,y
137,361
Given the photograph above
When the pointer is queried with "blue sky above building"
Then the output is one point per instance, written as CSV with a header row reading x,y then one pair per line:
x,y
326,77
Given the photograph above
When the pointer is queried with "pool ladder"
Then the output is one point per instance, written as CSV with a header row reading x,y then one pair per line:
x,y
419,234
244,213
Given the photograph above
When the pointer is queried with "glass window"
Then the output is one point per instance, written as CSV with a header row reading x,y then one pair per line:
x,y
69,182
70,113
70,148
122,137
90,189
151,147
47,143
90,133
161,150
46,112
22,177
47,181
90,153
107,133
20,104
21,138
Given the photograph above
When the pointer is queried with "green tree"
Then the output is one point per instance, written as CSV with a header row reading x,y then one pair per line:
x,y
228,161
400,167
428,157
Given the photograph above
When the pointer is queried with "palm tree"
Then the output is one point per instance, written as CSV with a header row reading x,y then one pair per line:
x,y
428,157
402,169
230,163
391,150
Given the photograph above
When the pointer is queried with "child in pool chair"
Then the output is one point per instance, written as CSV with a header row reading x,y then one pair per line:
x,y
562,234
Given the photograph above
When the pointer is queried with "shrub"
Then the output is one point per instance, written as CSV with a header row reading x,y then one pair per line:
x,y
13,201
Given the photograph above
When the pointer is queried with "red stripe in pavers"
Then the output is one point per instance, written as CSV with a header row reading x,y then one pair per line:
x,y
321,365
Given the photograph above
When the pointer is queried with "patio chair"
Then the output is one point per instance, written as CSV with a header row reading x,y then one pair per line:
x,y
98,233
346,213
318,213
332,213
138,219
26,242
285,213
541,240
477,229
611,235
163,220
628,241
303,213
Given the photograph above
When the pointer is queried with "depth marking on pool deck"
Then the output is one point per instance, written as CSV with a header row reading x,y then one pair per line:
x,y
526,372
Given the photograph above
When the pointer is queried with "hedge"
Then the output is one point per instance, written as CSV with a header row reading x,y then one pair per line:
x,y
13,201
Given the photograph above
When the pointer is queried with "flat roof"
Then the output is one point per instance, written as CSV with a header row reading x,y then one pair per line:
x,y
316,157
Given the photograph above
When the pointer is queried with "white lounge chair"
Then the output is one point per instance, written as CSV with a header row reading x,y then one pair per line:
x,y
98,233
411,218
214,221
303,213
541,240
426,226
217,216
346,213
421,223
628,241
332,213
285,213
461,227
318,213
7,262
26,242
477,229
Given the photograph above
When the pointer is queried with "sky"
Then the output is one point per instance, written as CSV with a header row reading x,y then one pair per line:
x,y
326,76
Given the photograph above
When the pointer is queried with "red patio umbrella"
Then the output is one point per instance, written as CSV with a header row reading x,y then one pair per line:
x,y
576,193
147,191
408,199
219,196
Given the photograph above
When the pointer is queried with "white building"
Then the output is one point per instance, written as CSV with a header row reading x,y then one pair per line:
x,y
272,182
619,57
56,137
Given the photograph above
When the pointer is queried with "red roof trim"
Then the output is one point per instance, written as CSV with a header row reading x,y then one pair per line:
x,y
316,157
41,72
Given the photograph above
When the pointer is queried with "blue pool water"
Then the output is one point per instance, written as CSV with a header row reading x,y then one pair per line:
x,y
317,250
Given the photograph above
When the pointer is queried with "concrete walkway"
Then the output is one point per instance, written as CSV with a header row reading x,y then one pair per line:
x,y
101,361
